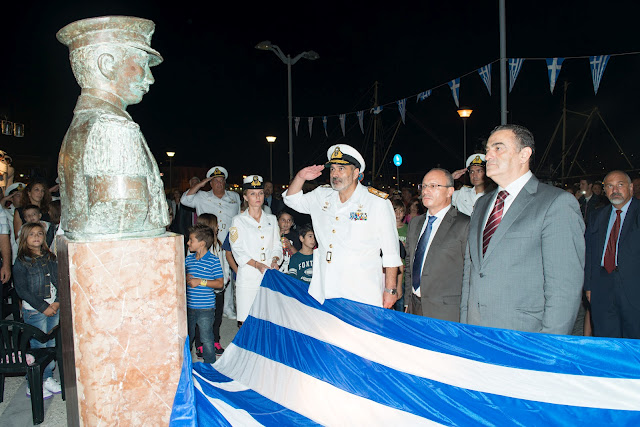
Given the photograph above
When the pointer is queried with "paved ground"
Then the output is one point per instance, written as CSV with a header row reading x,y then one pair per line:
x,y
15,410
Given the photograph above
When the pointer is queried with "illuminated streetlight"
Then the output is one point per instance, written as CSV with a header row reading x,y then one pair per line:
x,y
170,154
464,114
271,140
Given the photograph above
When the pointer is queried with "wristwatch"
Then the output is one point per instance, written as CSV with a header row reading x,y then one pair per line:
x,y
203,282
391,291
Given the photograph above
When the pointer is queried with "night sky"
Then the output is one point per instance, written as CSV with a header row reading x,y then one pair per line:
x,y
216,97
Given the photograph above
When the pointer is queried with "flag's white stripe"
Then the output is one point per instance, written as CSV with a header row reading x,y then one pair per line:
x,y
309,396
232,386
235,416
556,388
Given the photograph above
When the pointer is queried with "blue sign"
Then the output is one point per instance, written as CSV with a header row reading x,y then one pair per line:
x,y
397,160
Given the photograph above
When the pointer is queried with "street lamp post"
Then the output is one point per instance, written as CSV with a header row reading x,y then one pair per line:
x,y
464,113
271,140
170,154
310,55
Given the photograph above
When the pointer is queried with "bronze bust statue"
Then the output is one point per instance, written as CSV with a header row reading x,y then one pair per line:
x,y
110,185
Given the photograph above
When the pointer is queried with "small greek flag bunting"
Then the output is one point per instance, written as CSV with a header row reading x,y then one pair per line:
x,y
455,90
324,125
514,69
310,121
297,122
343,118
402,107
423,95
598,64
377,110
485,75
554,65
360,115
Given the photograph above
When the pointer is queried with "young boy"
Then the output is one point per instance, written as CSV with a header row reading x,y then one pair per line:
x,y
204,273
301,263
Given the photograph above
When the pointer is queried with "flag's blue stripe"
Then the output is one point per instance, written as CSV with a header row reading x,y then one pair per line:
x,y
599,357
208,415
263,410
431,399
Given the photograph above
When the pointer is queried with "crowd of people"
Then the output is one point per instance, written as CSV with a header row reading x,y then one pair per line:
x,y
506,251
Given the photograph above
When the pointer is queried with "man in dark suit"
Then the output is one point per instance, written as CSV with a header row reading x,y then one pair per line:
x,y
612,268
436,243
525,259
276,205
589,201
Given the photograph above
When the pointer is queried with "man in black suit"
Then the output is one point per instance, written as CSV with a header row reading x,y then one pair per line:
x,y
276,205
436,243
612,268
589,201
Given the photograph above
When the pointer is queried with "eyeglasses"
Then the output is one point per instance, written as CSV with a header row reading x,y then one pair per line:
x,y
431,186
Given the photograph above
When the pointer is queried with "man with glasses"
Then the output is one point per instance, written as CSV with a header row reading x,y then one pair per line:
x,y
352,226
524,265
612,268
436,243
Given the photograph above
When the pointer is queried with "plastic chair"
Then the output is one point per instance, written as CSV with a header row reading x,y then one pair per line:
x,y
11,305
14,347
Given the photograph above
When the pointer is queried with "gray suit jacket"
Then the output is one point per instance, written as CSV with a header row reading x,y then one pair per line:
x,y
441,281
530,278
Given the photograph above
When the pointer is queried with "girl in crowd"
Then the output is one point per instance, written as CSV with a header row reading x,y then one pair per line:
x,y
211,221
35,193
256,246
414,208
35,277
289,237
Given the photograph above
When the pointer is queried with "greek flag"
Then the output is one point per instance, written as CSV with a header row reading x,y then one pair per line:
x,y
360,115
310,122
324,125
297,362
402,107
423,95
377,110
455,90
514,69
296,120
485,75
598,64
554,65
343,119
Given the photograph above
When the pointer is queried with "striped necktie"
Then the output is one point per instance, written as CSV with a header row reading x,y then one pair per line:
x,y
494,220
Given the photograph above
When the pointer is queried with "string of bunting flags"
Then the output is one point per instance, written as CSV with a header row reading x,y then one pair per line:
x,y
554,65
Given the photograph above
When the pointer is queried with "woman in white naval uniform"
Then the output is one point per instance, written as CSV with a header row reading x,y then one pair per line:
x,y
255,242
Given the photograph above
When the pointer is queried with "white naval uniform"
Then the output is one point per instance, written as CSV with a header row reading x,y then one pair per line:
x,y
255,240
465,199
224,208
350,235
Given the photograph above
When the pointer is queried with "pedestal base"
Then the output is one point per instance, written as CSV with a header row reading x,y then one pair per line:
x,y
123,320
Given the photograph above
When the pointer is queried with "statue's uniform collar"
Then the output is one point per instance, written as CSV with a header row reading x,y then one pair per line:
x,y
91,101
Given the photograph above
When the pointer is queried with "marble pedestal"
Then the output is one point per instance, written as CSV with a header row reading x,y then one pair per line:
x,y
123,320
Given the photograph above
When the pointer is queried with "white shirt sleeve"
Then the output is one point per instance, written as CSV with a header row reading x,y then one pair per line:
x,y
299,202
188,200
390,242
276,250
240,247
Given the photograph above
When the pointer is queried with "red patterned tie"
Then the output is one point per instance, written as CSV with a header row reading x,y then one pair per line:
x,y
494,220
610,252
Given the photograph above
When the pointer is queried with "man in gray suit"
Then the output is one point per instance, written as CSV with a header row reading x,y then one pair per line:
x,y
524,265
436,243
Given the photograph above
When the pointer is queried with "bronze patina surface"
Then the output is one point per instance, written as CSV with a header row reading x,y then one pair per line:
x,y
110,185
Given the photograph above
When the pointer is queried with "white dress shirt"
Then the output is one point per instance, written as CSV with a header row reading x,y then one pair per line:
x,y
513,189
434,230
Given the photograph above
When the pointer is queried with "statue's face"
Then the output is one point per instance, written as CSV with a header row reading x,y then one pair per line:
x,y
133,76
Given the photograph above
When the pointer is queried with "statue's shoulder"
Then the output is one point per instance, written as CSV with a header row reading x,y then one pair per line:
x,y
110,120
378,193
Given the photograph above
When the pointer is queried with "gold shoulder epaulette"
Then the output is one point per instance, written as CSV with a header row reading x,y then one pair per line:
x,y
326,186
378,193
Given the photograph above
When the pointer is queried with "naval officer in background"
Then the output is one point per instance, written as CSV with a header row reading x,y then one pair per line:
x,y
353,224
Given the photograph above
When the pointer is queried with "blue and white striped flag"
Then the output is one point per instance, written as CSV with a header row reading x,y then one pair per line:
x,y
455,90
360,115
296,120
553,66
324,125
423,95
310,122
297,362
514,69
377,110
485,75
598,64
402,107
343,120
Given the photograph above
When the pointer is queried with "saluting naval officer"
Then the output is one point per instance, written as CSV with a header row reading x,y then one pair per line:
x,y
255,242
465,198
220,202
352,224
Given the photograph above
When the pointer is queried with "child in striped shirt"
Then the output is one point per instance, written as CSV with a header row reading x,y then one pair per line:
x,y
204,273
